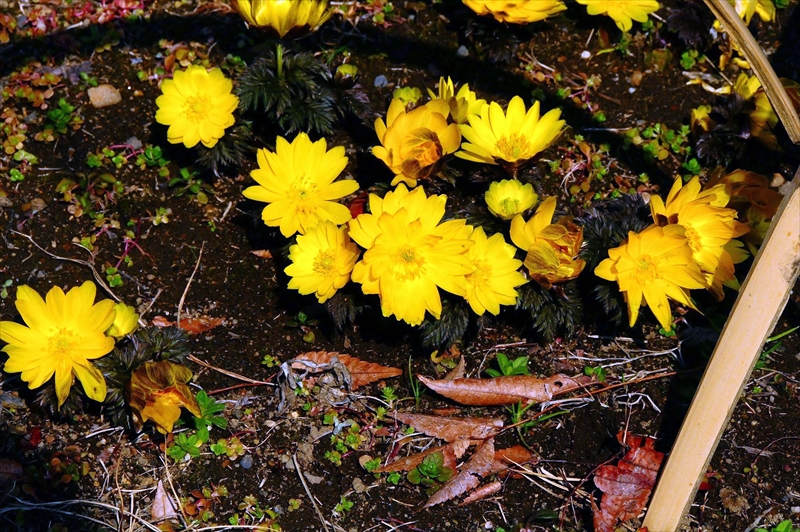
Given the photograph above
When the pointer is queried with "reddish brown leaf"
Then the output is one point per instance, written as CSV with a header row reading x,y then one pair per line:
x,y
451,452
478,466
511,456
361,372
10,470
504,390
196,325
452,428
458,371
481,493
262,253
626,486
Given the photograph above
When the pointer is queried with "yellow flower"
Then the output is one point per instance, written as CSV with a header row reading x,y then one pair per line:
x,y
551,248
125,321
700,121
410,254
297,182
708,225
655,264
157,391
622,11
765,9
509,197
415,143
462,103
496,274
322,261
63,334
516,11
754,201
284,16
197,105
511,138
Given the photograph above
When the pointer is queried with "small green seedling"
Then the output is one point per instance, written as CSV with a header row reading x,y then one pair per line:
x,y
518,366
209,408
783,526
185,445
431,471
599,373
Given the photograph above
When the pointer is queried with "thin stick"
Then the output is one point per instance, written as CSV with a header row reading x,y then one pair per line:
x,y
780,101
188,284
228,373
86,263
308,492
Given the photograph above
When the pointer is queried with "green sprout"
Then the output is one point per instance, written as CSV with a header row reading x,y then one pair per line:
x,y
209,408
431,471
518,366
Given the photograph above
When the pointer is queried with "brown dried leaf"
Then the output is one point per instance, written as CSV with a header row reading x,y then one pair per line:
x,y
458,371
481,493
452,428
478,466
511,456
451,452
163,506
11,470
626,486
504,390
262,253
361,372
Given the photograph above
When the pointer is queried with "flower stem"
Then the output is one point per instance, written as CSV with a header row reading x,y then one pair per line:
x,y
279,60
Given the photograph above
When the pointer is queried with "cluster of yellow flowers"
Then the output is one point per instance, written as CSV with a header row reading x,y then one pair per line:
x,y
689,246
64,333
623,12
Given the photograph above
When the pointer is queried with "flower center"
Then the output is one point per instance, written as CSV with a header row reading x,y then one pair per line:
x,y
62,343
513,147
324,263
646,270
410,264
509,206
196,108
482,274
302,189
693,238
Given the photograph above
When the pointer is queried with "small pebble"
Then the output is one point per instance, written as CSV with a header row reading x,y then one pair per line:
x,y
462,51
586,54
636,78
632,90
246,462
777,180
381,81
37,204
135,143
103,96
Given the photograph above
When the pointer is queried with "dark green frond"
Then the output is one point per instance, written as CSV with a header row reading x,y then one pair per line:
x,y
293,89
554,311
233,149
449,328
47,400
342,309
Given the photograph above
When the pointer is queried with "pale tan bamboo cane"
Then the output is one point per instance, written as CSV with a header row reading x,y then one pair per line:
x,y
761,300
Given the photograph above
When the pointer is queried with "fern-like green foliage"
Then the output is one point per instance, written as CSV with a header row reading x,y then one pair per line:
x,y
47,400
449,328
343,309
605,226
554,311
293,89
145,345
232,149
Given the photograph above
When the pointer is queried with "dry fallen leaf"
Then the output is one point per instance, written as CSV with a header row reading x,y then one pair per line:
x,y
626,486
361,372
451,451
163,506
262,253
504,390
477,467
196,325
481,493
10,470
451,428
511,456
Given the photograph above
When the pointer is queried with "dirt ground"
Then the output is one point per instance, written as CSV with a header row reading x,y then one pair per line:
x,y
148,240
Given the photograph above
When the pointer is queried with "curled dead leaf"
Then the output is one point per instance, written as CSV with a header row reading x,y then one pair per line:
x,y
452,429
504,390
361,372
196,325
478,466
451,451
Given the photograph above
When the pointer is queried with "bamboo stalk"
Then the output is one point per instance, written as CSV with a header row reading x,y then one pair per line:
x,y
780,101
